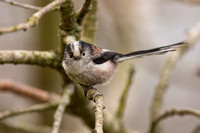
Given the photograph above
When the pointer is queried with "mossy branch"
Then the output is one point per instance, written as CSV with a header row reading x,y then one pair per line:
x,y
124,95
41,58
69,29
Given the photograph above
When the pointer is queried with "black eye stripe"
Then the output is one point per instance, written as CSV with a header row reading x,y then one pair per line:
x,y
81,48
85,47
71,54
68,50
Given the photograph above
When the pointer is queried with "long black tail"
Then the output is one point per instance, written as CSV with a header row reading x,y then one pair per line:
x,y
154,51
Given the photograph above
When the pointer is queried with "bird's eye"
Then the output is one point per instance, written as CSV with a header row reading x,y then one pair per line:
x,y
83,53
70,56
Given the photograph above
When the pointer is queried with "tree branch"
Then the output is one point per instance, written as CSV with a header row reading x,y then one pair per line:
x,y
6,85
68,17
65,101
85,113
191,39
97,97
41,58
122,101
33,108
171,113
16,3
89,24
33,20
69,29
83,11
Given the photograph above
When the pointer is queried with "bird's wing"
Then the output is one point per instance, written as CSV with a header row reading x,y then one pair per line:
x,y
105,56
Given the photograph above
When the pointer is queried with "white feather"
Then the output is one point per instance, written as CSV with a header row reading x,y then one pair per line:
x,y
76,48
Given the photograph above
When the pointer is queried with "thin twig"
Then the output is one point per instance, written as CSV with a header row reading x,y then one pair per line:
x,y
16,3
157,102
33,20
66,98
41,58
171,113
122,102
33,108
29,91
24,127
97,97
83,11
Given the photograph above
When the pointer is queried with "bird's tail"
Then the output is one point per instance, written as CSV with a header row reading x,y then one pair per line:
x,y
154,51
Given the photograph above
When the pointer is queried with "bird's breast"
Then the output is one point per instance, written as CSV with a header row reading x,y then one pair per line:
x,y
90,73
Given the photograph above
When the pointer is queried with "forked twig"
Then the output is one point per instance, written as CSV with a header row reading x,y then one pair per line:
x,y
33,20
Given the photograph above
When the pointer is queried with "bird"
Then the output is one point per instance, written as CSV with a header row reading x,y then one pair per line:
x,y
89,65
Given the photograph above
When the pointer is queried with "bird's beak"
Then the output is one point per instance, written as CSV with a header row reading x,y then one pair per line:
x,y
77,58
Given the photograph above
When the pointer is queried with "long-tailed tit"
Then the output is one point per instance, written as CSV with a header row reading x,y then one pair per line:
x,y
88,65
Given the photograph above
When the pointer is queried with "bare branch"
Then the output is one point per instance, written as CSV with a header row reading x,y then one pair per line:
x,y
33,20
191,39
28,91
41,58
124,95
65,101
97,97
171,113
33,108
83,11
16,3
89,24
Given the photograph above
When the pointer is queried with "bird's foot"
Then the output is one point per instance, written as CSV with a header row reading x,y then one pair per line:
x,y
87,89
